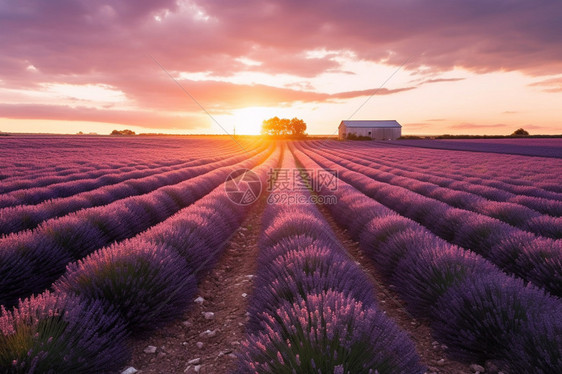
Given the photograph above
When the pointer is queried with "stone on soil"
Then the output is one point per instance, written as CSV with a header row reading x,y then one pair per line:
x,y
150,349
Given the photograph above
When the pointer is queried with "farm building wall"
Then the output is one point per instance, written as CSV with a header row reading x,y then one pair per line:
x,y
378,133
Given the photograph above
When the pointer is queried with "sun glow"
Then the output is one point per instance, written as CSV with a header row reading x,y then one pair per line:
x,y
248,121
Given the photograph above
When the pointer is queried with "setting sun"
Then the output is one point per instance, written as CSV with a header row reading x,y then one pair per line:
x,y
248,121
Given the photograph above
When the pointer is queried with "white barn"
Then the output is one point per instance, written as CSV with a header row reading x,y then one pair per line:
x,y
376,129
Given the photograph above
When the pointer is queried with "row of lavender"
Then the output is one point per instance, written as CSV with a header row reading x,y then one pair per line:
x,y
31,260
39,178
514,214
313,309
478,311
23,217
518,175
512,169
78,183
532,258
36,162
533,176
545,147
121,291
490,188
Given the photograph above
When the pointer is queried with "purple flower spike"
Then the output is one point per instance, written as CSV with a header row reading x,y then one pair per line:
x,y
58,333
326,333
149,284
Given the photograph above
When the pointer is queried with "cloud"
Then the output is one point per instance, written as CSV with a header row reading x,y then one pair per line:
x,y
169,104
369,92
417,126
103,37
550,85
479,35
441,80
105,42
469,126
144,119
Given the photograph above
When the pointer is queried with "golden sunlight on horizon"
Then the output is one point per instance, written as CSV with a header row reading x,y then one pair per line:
x,y
248,121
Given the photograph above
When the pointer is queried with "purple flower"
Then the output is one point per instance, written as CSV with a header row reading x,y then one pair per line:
x,y
58,333
328,332
149,284
478,318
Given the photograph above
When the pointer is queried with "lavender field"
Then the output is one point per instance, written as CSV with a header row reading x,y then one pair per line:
x,y
104,242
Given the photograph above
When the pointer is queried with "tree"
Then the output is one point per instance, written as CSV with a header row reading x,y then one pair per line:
x,y
271,126
297,126
520,132
283,127
122,132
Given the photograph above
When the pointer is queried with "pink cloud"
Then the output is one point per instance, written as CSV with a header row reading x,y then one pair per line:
x,y
108,42
122,117
549,85
164,95
101,39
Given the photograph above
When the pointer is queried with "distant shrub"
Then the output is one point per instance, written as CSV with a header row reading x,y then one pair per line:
x,y
353,136
520,132
416,137
53,333
149,284
328,333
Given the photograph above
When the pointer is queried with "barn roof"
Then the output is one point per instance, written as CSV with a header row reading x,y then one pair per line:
x,y
371,123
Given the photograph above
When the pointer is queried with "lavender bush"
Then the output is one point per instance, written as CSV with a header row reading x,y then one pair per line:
x,y
299,272
400,244
295,224
378,231
148,283
479,317
57,333
28,262
538,349
426,273
328,333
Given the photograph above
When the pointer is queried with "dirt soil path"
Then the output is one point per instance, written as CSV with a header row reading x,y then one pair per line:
x,y
432,354
205,343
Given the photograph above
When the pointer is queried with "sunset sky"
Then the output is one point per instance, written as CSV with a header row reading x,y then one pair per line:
x,y
436,66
